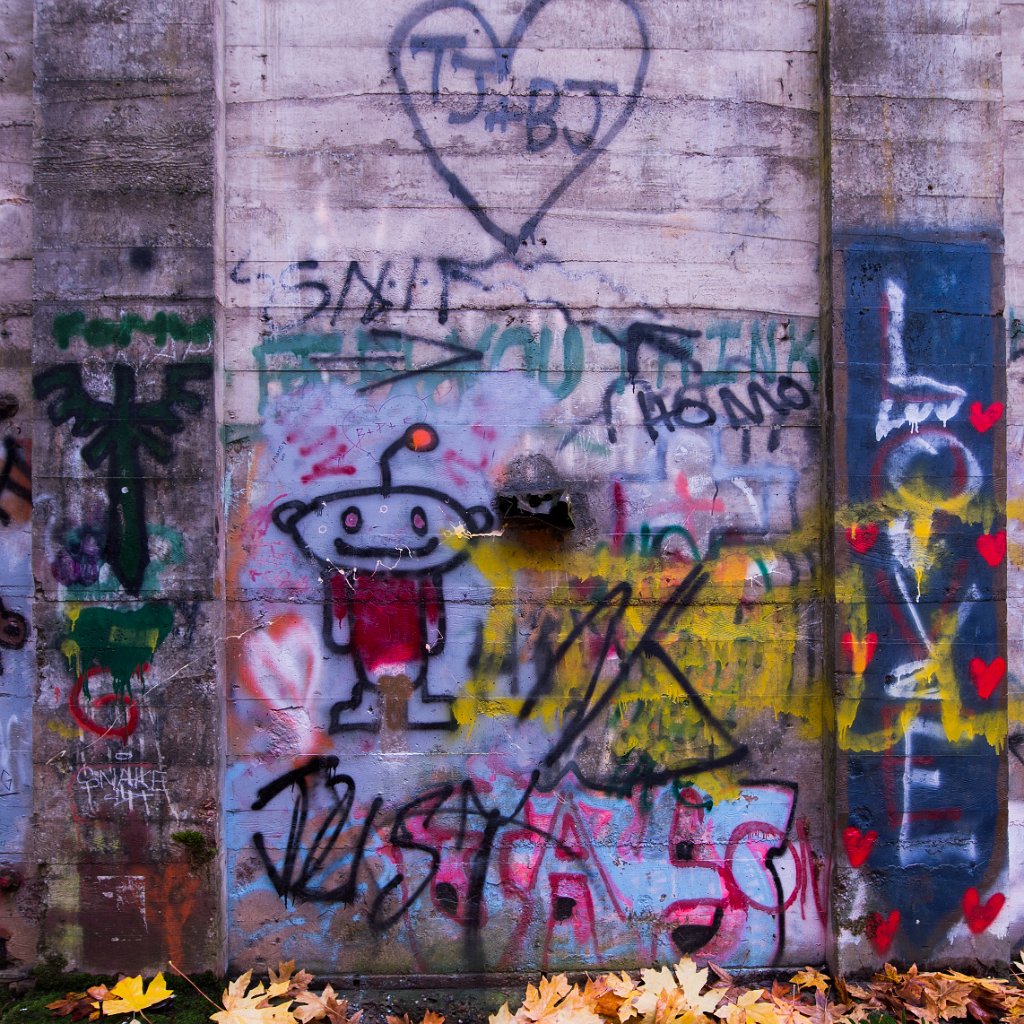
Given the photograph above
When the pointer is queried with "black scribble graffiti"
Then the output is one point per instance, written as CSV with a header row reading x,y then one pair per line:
x,y
307,861
639,769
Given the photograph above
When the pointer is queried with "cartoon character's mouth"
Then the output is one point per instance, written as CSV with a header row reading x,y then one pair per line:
x,y
403,551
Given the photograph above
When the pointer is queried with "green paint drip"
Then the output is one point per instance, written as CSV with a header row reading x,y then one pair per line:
x,y
119,642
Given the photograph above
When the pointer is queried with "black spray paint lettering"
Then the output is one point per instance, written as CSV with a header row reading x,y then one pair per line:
x,y
539,117
684,410
307,861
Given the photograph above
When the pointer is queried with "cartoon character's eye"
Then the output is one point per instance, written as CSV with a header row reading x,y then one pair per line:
x,y
351,519
418,518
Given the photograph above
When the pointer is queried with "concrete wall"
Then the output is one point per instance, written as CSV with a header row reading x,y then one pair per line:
x,y
125,539
529,482
17,642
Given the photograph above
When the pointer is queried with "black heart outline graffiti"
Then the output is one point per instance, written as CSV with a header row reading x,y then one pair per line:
x,y
400,37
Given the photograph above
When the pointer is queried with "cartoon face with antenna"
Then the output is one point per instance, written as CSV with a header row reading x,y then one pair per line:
x,y
383,552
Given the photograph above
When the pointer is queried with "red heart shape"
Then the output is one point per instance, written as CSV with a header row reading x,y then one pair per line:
x,y
986,676
858,844
992,547
862,536
881,930
860,652
982,419
980,916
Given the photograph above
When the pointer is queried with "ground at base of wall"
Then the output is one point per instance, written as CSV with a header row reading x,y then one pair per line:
x,y
681,994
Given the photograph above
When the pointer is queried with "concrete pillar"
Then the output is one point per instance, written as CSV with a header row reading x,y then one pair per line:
x,y
18,895
127,731
920,429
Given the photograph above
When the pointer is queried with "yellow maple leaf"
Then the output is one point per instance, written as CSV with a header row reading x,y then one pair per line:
x,y
673,1008
603,995
749,1009
245,1005
692,983
811,978
652,984
542,1001
130,996
503,1016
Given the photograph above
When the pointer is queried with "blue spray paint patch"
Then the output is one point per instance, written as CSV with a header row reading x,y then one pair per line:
x,y
922,338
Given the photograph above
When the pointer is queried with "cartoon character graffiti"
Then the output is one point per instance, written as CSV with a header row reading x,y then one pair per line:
x,y
383,552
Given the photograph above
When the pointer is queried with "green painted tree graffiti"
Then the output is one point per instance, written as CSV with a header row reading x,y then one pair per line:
x,y
120,431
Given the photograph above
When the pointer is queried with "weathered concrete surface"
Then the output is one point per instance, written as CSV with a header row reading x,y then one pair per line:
x,y
1012,22
641,343
125,540
919,373
17,897
463,498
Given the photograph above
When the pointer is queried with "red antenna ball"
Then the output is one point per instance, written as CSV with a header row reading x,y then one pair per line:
x,y
421,438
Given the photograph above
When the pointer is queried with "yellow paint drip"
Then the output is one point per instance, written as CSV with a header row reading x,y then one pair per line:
x,y
71,651
921,531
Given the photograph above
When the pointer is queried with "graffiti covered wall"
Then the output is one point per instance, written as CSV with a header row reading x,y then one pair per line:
x,y
124,524
17,676
520,546
506,486
922,711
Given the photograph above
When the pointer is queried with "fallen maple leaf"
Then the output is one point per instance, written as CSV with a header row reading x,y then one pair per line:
x,y
296,981
749,1008
76,1005
129,996
607,993
327,1005
542,1002
692,983
284,972
245,1005
811,978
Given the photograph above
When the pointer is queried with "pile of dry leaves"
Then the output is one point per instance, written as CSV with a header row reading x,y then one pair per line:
x,y
684,994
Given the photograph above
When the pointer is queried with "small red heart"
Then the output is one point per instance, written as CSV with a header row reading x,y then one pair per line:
x,y
881,930
858,844
860,652
862,536
982,419
979,916
992,547
986,675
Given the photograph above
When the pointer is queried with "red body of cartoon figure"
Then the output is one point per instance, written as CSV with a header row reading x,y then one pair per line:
x,y
383,554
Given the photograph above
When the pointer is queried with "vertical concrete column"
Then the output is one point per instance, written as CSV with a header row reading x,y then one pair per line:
x,y
17,914
920,481
125,543
1012,25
